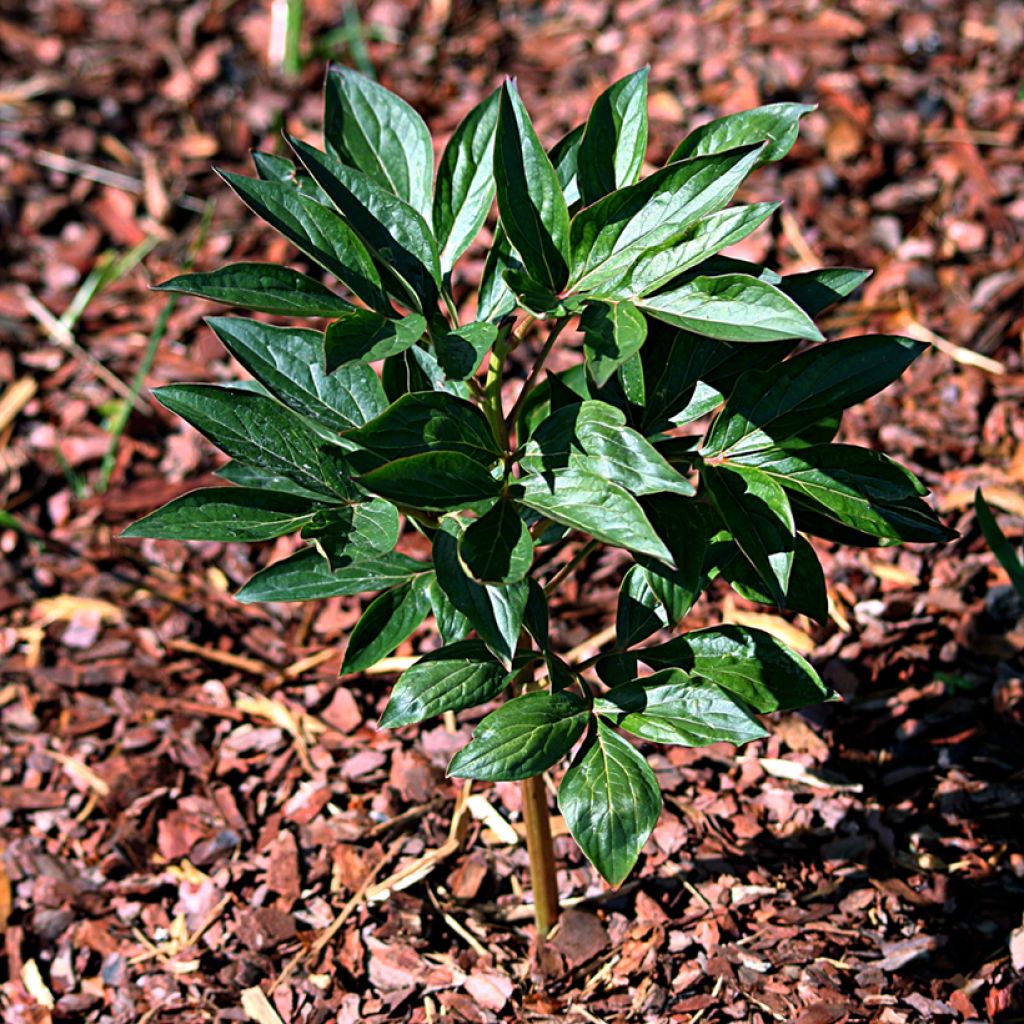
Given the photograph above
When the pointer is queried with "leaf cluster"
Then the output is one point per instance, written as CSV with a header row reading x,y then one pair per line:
x,y
696,430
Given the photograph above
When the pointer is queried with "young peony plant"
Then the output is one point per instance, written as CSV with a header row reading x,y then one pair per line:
x,y
696,432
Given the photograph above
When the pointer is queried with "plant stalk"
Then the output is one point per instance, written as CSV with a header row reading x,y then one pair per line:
x,y
531,381
541,852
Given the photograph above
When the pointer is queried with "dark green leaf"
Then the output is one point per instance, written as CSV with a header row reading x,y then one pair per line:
x,y
465,181
363,336
631,376
612,334
452,625
261,287
429,421
387,621
495,299
372,129
535,618
732,307
610,800
263,433
524,737
316,231
612,149
756,511
306,576
252,476
816,290
777,124
233,514
761,670
497,547
585,501
396,235
287,361
530,200
683,529
672,707
608,238
495,612
639,612
439,480
460,352
565,158
997,541
456,677
859,488
770,405
341,534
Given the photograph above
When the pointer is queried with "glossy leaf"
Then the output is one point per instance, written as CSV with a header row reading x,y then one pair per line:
x,y
756,511
261,287
370,128
341,533
259,479
453,678
261,432
673,707
611,802
306,576
497,547
612,334
231,514
461,351
363,336
523,737
608,238
396,235
532,207
750,663
287,361
997,541
495,299
387,621
452,625
732,307
682,527
316,231
464,188
815,290
441,480
639,613
588,502
776,124
612,148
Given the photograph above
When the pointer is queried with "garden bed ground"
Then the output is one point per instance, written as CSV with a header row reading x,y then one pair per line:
x,y
194,813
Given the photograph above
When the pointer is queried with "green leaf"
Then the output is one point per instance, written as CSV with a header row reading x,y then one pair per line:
x,y
564,156
340,534
770,405
610,800
496,612
755,666
460,352
387,621
806,593
316,231
263,433
377,132
672,707
396,235
456,677
363,336
530,201
523,737
306,576
588,502
252,476
631,376
856,487
639,613
262,288
535,617
608,238
732,307
452,625
612,334
429,421
756,511
816,290
232,514
279,168
683,528
664,261
997,541
612,149
464,188
497,547
495,299
777,124
287,362
441,480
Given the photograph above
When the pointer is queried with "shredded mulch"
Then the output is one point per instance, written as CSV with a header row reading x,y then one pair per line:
x,y
200,824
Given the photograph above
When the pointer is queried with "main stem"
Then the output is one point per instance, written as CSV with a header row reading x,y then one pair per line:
x,y
541,853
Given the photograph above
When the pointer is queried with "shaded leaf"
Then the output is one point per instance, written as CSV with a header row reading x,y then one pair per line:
x,y
612,148
497,547
363,336
387,621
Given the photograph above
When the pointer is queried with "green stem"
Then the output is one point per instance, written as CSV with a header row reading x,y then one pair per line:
x,y
556,581
531,381
492,388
